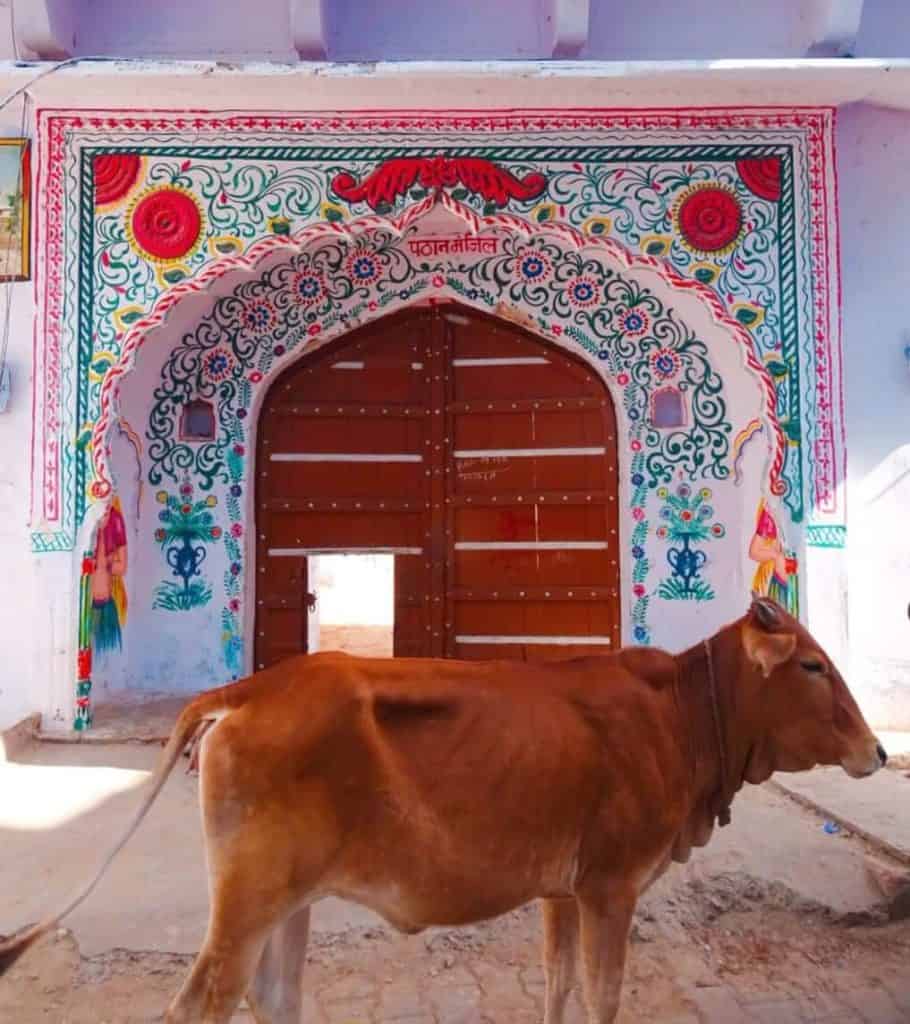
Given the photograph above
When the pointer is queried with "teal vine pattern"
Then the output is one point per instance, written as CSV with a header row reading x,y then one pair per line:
x,y
827,536
261,321
629,328
641,563
642,343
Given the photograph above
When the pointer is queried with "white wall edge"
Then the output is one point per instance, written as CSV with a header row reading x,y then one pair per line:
x,y
545,84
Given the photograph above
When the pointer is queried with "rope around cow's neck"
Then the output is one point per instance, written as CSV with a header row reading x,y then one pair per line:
x,y
723,813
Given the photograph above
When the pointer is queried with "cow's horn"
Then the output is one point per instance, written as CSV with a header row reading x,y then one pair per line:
x,y
766,613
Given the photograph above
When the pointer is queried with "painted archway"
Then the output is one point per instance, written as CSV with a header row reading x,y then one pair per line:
x,y
646,330
479,458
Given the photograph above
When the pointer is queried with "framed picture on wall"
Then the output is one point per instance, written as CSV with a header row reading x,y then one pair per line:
x,y
15,209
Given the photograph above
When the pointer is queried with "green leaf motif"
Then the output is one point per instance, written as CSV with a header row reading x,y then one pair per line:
x,y
746,317
791,429
334,216
777,368
172,277
704,275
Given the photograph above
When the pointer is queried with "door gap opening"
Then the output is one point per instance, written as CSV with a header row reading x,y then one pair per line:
x,y
355,604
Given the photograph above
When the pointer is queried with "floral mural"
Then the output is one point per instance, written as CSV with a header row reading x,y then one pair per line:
x,y
734,202
186,526
723,197
639,342
686,517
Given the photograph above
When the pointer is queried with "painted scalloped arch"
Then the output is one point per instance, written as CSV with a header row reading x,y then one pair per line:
x,y
630,317
566,312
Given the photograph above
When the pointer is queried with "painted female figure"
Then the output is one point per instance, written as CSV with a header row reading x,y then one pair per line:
x,y
775,575
108,590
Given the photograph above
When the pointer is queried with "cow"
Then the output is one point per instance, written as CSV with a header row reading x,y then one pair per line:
x,y
440,793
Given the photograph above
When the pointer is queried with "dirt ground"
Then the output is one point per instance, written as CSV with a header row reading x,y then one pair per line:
x,y
729,951
777,921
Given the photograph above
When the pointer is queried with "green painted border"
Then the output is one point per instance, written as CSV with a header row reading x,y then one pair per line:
x,y
826,536
596,154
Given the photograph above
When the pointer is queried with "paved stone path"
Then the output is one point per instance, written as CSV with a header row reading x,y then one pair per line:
x,y
487,995
808,973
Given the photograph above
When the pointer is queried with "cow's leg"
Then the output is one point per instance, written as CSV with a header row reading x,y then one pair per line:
x,y
276,993
218,980
245,909
560,931
606,917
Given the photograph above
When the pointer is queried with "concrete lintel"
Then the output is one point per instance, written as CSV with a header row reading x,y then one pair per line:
x,y
569,20
308,28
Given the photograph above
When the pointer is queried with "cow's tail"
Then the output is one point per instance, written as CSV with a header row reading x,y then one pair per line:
x,y
205,708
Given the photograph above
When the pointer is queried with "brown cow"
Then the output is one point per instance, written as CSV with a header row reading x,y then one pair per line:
x,y
442,793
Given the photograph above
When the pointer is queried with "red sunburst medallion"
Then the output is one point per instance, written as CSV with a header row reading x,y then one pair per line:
x,y
165,224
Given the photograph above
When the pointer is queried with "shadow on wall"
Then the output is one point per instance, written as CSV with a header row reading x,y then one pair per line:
x,y
879,566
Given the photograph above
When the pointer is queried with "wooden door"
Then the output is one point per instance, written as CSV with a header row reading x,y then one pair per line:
x,y
483,459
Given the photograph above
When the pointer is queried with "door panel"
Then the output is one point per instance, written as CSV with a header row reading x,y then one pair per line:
x,y
483,458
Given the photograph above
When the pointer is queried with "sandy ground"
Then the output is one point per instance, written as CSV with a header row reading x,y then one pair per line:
x,y
775,917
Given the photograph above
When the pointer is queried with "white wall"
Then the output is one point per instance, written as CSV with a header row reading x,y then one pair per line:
x,y
873,148
884,30
35,594
702,29
23,635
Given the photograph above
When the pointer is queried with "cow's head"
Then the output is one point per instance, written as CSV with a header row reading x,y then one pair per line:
x,y
805,714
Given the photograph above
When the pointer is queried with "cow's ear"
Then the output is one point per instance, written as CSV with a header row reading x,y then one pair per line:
x,y
766,613
767,651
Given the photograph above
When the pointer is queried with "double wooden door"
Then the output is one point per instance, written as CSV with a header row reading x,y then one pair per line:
x,y
483,459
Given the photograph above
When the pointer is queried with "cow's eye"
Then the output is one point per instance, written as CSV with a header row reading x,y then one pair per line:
x,y
812,665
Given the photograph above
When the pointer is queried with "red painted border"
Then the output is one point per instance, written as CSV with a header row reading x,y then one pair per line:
x,y
705,119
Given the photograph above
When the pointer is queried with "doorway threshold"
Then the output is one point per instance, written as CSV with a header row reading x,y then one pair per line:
x,y
128,717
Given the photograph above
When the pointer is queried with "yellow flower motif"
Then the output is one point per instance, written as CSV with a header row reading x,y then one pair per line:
x,y
161,497
126,316
279,225
597,226
706,273
656,245
168,274
545,213
749,315
211,501
332,212
225,245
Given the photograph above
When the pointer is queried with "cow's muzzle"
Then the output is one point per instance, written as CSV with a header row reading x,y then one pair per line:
x,y
867,763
